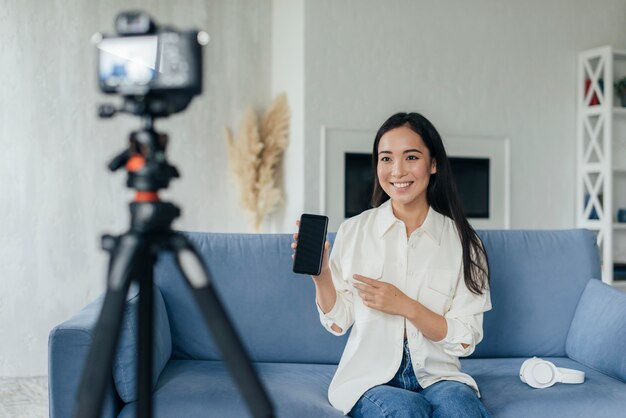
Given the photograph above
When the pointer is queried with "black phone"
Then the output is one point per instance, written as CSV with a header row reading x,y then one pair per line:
x,y
311,240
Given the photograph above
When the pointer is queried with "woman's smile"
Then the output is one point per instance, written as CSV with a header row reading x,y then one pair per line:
x,y
401,185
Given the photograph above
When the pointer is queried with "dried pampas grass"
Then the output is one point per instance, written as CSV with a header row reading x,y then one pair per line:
x,y
255,155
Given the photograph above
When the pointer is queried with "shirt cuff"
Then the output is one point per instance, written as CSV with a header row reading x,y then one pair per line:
x,y
457,333
329,318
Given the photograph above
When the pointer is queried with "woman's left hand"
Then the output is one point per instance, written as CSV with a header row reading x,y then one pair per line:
x,y
382,296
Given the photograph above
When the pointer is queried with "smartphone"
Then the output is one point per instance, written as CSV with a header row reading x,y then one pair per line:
x,y
311,240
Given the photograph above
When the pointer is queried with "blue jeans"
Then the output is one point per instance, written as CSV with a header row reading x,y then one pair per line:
x,y
403,397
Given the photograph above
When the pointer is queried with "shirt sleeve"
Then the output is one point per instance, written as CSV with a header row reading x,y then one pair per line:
x,y
342,313
465,320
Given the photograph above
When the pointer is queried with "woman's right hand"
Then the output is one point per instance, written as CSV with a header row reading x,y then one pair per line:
x,y
325,263
325,294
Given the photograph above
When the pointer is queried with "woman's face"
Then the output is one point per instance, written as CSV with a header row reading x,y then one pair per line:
x,y
404,166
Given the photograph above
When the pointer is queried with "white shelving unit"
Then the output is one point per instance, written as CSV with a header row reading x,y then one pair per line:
x,y
601,137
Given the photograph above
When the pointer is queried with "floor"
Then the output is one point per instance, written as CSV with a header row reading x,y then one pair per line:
x,y
24,397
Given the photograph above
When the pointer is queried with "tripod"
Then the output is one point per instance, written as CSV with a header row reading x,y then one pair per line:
x,y
132,258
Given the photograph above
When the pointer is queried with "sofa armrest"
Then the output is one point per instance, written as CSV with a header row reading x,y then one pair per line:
x,y
68,346
597,335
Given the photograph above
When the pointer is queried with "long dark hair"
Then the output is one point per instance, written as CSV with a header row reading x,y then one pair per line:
x,y
441,194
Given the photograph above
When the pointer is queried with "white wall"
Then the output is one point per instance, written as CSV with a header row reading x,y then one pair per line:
x,y
485,67
481,67
288,76
56,195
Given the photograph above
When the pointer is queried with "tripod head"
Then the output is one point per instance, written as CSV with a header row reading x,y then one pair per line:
x,y
145,159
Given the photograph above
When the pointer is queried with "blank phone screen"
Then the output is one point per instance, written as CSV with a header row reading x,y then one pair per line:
x,y
311,239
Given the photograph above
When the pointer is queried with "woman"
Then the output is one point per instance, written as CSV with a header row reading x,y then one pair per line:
x,y
411,278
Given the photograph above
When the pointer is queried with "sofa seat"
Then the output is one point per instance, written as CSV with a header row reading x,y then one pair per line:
x,y
204,389
505,395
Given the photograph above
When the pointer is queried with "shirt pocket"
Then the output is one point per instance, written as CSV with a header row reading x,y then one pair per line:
x,y
373,270
439,291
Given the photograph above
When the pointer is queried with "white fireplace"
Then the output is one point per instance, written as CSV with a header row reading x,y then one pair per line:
x,y
482,160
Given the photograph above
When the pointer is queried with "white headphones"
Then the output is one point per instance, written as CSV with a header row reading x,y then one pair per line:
x,y
539,374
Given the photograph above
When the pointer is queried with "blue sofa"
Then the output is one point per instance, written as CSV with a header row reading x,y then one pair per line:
x,y
547,302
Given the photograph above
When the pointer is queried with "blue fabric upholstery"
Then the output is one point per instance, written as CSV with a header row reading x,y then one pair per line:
x,y
505,396
537,278
597,337
266,301
204,389
68,346
125,362
524,321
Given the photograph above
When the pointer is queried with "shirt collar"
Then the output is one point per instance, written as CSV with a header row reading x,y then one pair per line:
x,y
432,225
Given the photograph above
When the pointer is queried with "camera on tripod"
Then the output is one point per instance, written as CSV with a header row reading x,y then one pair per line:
x,y
158,70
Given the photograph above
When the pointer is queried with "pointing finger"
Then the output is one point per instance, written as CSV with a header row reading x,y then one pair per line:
x,y
366,280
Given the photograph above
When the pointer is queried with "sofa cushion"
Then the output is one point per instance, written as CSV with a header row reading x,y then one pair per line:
x,y
597,337
272,309
506,396
125,363
537,278
204,389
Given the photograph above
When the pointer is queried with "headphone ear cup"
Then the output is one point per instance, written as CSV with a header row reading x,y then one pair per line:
x,y
522,370
544,374
538,373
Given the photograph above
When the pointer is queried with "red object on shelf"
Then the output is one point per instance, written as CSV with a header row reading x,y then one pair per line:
x,y
594,99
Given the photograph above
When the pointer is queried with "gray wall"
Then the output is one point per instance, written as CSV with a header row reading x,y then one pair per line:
x,y
56,195
480,68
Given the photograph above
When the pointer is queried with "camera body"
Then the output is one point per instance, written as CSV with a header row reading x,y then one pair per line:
x,y
150,63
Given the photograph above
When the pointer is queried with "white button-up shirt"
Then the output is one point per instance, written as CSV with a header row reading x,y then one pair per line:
x,y
427,267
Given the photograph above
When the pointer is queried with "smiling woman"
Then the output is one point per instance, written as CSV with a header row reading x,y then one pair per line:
x,y
410,277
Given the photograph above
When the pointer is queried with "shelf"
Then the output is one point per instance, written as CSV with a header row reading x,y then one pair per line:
x,y
592,110
617,226
597,110
606,168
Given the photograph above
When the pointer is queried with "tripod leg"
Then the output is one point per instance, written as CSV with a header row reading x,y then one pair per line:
x,y
233,352
144,349
97,369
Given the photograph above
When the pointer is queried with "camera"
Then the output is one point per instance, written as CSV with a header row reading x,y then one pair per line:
x,y
157,69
